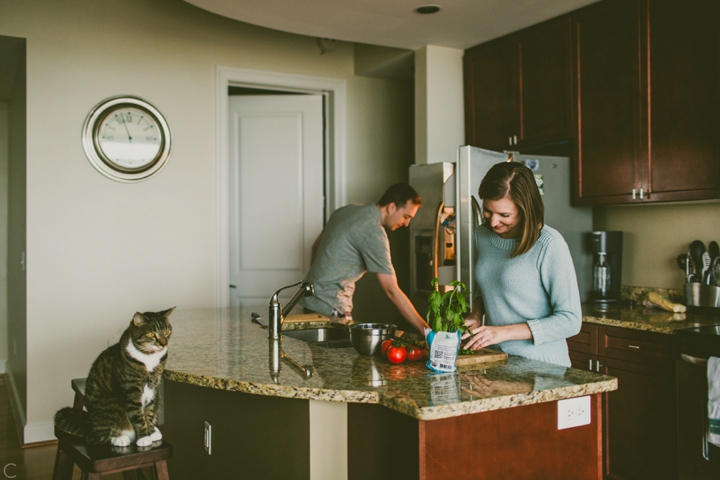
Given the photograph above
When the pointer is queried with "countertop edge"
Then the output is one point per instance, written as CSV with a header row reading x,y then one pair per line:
x,y
393,402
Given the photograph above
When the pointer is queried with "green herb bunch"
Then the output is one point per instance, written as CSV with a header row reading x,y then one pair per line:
x,y
445,312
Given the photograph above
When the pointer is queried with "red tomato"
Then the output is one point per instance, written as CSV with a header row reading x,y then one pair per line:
x,y
385,345
396,354
414,353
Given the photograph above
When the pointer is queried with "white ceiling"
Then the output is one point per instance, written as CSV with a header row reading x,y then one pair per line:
x,y
393,23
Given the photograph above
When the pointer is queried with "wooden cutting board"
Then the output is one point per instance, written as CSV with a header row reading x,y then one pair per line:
x,y
481,356
306,317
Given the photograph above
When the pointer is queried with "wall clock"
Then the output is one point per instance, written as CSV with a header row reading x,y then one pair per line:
x,y
126,139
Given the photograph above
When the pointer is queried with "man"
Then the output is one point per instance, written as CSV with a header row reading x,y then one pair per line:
x,y
354,242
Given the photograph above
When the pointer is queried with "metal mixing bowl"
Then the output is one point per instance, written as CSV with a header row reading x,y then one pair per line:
x,y
367,337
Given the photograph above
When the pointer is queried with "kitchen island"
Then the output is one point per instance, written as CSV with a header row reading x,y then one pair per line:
x,y
360,417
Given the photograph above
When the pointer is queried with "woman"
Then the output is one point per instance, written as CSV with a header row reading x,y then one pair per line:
x,y
526,284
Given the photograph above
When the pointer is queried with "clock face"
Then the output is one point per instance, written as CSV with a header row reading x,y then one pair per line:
x,y
130,138
126,139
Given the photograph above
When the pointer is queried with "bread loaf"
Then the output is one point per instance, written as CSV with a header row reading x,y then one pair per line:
x,y
665,303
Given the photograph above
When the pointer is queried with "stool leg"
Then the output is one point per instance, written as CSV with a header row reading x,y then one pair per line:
x,y
63,465
136,474
131,475
161,470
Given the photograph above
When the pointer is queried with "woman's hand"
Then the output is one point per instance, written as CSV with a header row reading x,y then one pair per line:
x,y
482,336
472,322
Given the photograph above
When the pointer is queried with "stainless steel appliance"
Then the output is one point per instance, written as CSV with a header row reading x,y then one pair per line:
x,y
441,232
698,459
607,266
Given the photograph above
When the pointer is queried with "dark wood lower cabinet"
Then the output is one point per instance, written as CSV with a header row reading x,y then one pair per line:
x,y
253,436
640,428
519,443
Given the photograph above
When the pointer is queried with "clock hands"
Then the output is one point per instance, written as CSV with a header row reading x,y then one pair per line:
x,y
126,129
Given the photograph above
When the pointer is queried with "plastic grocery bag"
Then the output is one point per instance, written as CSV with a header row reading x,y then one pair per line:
x,y
444,348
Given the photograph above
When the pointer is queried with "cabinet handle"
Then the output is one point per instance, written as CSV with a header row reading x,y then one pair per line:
x,y
598,367
633,194
509,140
641,194
514,139
636,347
590,365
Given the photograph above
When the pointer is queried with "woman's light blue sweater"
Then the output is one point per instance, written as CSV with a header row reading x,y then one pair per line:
x,y
539,288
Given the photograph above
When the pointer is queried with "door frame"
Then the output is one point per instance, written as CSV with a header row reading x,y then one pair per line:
x,y
335,92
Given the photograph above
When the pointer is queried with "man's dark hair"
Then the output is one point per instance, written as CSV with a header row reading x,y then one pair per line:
x,y
399,194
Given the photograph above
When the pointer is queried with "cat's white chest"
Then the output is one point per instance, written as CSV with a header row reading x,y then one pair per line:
x,y
149,360
148,395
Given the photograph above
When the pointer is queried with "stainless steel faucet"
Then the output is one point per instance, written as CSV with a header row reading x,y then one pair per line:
x,y
277,312
277,356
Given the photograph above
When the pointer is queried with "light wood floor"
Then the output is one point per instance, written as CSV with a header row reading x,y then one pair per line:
x,y
30,463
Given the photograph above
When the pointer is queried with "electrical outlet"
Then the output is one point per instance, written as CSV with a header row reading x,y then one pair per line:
x,y
573,412
208,438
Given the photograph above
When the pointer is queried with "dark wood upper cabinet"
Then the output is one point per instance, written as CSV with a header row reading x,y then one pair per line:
x,y
684,100
545,83
646,101
517,88
491,94
606,94
634,85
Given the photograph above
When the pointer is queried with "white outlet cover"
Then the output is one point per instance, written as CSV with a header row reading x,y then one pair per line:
x,y
573,412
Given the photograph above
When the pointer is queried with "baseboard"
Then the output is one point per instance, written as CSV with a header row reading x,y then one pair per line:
x,y
15,405
34,433
38,432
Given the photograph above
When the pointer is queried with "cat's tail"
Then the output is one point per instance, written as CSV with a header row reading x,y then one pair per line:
x,y
72,420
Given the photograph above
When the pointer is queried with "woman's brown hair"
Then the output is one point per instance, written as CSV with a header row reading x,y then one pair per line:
x,y
517,182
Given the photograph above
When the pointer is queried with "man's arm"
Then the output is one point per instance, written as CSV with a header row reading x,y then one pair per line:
x,y
402,302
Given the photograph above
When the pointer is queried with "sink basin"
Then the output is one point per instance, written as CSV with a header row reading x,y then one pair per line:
x,y
323,337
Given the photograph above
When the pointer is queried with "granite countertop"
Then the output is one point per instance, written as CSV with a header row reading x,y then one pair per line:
x,y
640,317
221,348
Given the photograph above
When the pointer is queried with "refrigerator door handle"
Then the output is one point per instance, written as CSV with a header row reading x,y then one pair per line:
x,y
436,240
477,211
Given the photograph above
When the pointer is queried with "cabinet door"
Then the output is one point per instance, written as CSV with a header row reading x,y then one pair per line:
x,y
545,83
583,348
606,102
684,101
640,434
491,104
641,427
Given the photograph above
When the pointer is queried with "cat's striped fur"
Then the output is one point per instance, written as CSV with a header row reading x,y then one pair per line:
x,y
121,388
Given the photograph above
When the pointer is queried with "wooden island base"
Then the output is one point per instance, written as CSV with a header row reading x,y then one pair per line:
x,y
513,443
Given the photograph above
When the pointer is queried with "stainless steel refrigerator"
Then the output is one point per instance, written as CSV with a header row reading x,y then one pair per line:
x,y
441,232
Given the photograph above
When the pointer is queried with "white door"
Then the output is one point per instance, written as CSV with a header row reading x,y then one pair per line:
x,y
276,192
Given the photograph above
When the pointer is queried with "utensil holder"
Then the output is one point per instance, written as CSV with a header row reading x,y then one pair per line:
x,y
701,295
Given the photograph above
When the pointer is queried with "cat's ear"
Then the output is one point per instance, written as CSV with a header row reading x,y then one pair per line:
x,y
139,319
166,313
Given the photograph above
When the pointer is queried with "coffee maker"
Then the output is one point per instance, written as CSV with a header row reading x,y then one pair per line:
x,y
606,248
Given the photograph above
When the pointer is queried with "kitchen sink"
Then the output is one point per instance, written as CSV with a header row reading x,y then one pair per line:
x,y
323,337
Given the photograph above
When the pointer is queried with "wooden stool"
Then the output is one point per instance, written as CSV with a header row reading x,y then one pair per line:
x,y
97,460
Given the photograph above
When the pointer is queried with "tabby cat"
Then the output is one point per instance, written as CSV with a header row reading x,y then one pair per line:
x,y
121,388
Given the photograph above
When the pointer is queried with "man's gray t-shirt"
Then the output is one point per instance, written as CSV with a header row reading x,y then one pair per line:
x,y
353,242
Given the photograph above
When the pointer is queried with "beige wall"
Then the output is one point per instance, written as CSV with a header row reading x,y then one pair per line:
x,y
655,235
98,250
